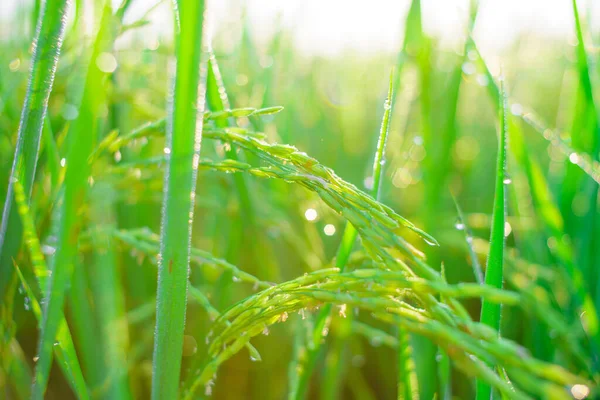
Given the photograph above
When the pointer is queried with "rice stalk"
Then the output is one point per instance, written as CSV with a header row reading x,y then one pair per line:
x,y
494,276
47,46
182,150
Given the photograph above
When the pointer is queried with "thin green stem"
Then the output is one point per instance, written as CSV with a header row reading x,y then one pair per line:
x,y
81,144
182,149
490,313
47,46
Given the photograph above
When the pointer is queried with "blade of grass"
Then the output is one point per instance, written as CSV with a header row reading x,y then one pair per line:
x,y
109,300
64,347
550,214
14,369
107,296
81,144
585,136
437,168
18,370
462,225
425,363
52,154
490,313
84,325
47,46
183,144
408,385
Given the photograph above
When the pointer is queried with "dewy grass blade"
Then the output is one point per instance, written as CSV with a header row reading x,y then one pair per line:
x,y
108,298
81,144
64,349
585,137
551,217
490,313
47,45
461,225
183,148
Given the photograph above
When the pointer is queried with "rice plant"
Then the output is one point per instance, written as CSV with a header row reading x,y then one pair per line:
x,y
192,212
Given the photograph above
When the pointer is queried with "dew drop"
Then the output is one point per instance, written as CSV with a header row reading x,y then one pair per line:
x,y
574,158
208,388
14,65
70,112
507,180
482,80
459,225
507,229
329,230
310,214
516,109
236,279
580,391
429,242
106,62
468,68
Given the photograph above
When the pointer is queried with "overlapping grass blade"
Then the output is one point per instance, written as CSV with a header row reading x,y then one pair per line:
x,y
462,226
81,144
549,213
582,221
108,299
183,147
64,347
47,46
490,313
13,365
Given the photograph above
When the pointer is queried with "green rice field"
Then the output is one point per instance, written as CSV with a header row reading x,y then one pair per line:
x,y
196,212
